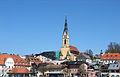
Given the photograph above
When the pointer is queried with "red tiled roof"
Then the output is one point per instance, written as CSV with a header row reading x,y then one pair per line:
x,y
17,60
48,63
111,56
37,63
19,70
73,48
32,58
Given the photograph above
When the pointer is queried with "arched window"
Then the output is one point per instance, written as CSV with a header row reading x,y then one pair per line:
x,y
65,41
117,76
112,76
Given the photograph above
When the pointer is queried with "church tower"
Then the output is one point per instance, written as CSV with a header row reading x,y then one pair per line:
x,y
65,38
65,50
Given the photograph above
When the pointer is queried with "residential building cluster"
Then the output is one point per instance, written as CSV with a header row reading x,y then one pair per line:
x,y
68,62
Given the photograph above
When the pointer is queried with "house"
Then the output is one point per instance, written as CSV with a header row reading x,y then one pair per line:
x,y
56,70
9,64
110,70
31,59
114,70
97,59
79,69
39,68
84,57
75,68
56,74
43,58
19,72
57,62
108,58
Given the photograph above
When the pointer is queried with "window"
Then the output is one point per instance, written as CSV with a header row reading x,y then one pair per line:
x,y
112,76
117,76
112,71
65,41
113,65
117,65
117,71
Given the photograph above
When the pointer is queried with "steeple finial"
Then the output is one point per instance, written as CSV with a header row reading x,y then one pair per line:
x,y
66,23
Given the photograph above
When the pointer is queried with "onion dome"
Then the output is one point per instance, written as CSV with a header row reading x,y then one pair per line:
x,y
74,50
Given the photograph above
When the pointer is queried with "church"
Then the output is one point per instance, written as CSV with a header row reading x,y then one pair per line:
x,y
67,52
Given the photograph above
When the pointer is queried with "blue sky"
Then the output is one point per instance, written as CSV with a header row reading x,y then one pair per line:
x,y
32,26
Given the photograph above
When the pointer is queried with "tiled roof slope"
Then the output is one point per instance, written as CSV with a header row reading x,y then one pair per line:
x,y
111,56
83,56
17,59
19,70
73,48
32,58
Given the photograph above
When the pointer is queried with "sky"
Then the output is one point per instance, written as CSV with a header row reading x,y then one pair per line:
x,y
34,26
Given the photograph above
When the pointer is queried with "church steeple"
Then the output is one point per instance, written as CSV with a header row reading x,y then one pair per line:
x,y
65,35
65,26
66,50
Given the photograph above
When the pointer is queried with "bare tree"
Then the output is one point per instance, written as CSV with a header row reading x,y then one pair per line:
x,y
113,47
90,52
